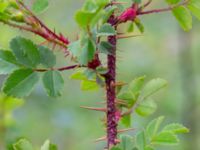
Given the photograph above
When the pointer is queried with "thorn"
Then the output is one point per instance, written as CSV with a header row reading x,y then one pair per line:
x,y
100,139
125,130
123,36
117,140
101,102
43,43
93,108
119,84
121,103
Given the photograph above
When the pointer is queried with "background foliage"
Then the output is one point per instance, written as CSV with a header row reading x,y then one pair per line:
x,y
164,51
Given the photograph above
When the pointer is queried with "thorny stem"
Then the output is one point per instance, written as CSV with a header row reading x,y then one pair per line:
x,y
60,38
110,80
40,29
29,29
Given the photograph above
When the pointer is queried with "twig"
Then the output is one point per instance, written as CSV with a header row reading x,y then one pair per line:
x,y
59,69
163,9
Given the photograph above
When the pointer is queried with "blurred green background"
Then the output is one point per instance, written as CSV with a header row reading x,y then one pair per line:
x,y
163,51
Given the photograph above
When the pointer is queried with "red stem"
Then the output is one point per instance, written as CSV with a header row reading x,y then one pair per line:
x,y
163,9
60,69
60,38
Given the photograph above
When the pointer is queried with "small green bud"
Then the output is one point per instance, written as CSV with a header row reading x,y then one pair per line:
x,y
19,17
13,4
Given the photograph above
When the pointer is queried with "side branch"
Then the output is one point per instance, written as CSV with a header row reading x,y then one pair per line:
x,y
59,69
163,9
32,30
31,23
60,37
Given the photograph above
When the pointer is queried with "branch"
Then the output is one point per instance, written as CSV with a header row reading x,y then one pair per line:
x,y
163,9
59,69
147,3
58,37
34,25
42,34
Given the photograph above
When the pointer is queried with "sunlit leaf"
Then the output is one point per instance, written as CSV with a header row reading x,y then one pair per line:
x,y
152,87
89,85
23,144
153,127
184,17
165,137
176,128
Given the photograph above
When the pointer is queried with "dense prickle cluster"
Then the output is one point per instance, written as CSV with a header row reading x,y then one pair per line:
x,y
94,63
128,15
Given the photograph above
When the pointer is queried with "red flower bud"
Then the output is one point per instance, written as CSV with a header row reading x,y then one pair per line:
x,y
128,15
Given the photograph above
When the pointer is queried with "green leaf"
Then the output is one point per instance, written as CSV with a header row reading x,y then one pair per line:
x,y
126,142
3,6
173,1
40,5
90,74
48,59
184,17
194,7
10,103
176,128
8,62
100,80
166,138
140,140
90,6
127,96
152,87
130,27
20,83
83,18
89,85
101,70
88,51
91,13
53,83
105,47
126,120
75,48
106,30
25,51
139,25
48,146
102,3
146,108
136,85
23,144
153,126
108,12
78,75
148,148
